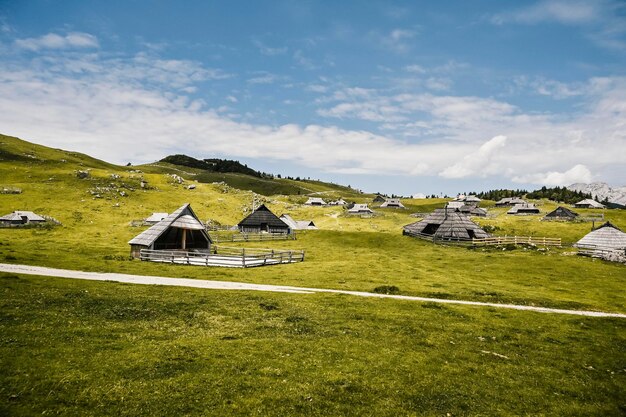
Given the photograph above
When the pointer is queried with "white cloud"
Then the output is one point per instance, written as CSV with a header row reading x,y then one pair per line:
x,y
316,88
564,11
578,173
397,40
264,78
269,51
477,164
101,106
55,41
417,69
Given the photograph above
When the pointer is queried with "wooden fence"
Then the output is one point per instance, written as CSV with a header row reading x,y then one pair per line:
x,y
490,241
224,256
517,240
251,237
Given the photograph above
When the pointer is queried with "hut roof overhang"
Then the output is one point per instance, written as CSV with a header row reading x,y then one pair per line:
x,y
606,237
183,218
446,224
21,215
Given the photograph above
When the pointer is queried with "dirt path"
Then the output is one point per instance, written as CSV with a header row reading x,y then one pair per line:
x,y
228,285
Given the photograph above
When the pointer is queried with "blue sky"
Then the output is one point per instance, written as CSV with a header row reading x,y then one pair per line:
x,y
398,97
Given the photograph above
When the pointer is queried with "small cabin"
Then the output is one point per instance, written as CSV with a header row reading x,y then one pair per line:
x,y
21,218
298,224
589,203
360,209
392,203
509,201
445,224
181,230
262,220
315,201
561,213
521,209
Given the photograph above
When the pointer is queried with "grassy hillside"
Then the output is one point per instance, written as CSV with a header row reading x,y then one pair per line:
x,y
74,347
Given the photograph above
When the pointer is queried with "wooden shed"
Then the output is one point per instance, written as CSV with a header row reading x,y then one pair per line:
x,y
605,238
315,201
588,203
262,220
21,217
521,209
509,201
561,213
180,230
298,224
445,224
360,209
392,203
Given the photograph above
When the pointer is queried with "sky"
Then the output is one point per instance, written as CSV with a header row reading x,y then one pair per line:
x,y
399,97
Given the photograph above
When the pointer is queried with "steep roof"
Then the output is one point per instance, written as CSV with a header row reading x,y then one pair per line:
x,y
18,215
589,202
562,212
183,218
510,201
607,237
446,224
262,215
472,199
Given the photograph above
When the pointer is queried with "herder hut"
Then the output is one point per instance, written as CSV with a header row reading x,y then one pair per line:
x,y
360,209
561,213
298,224
392,203
262,220
509,201
471,199
588,203
340,202
472,210
181,230
444,224
315,201
526,208
378,199
607,237
154,218
21,217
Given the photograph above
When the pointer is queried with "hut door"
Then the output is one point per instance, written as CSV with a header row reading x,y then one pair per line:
x,y
264,227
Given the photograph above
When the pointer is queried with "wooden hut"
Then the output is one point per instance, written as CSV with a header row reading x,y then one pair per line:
x,y
298,224
181,230
262,220
360,209
607,237
445,224
154,218
21,217
561,213
315,201
472,210
522,209
509,201
392,203
379,199
589,203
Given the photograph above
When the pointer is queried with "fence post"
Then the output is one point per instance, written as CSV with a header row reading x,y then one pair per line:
x,y
290,255
243,257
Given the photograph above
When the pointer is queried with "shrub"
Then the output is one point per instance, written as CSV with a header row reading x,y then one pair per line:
x,y
387,289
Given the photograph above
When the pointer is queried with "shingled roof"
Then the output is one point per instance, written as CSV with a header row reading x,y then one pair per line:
x,y
262,215
606,237
446,224
561,213
29,216
183,218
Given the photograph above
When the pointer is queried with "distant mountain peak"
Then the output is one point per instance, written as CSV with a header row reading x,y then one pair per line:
x,y
602,191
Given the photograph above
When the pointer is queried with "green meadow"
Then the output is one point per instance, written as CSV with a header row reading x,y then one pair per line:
x,y
75,347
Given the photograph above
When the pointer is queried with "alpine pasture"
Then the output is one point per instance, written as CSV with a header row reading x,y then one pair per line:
x,y
73,347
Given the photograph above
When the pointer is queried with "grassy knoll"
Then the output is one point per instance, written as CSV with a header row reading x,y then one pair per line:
x,y
84,348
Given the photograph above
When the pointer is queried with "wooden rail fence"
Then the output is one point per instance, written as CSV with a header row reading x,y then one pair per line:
x,y
224,256
517,240
251,237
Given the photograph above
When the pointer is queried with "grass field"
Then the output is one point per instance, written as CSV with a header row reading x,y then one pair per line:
x,y
75,348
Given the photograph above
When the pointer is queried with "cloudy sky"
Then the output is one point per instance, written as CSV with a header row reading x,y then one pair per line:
x,y
398,97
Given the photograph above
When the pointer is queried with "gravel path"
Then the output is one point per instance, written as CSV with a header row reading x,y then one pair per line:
x,y
228,285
